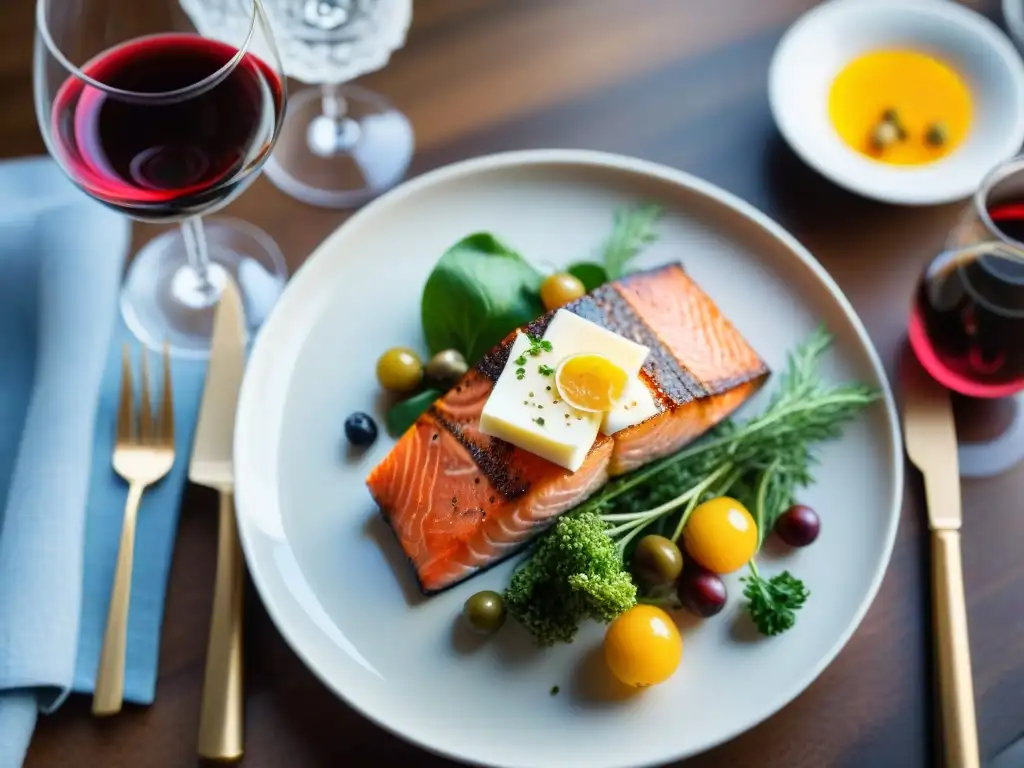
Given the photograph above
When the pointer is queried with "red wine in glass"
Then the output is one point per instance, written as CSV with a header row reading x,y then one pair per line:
x,y
183,151
967,324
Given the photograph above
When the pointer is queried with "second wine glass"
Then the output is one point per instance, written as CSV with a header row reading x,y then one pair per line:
x,y
165,125
341,145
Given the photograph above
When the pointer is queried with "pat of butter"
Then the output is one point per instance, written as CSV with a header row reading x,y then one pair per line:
x,y
637,404
528,412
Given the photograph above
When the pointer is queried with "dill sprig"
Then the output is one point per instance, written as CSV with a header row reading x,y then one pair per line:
x,y
763,462
632,229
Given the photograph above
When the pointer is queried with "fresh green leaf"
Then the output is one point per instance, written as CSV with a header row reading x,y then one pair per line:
x,y
773,603
404,413
633,229
479,292
591,275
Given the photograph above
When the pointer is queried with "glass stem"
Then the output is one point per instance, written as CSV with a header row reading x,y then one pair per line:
x,y
195,248
332,102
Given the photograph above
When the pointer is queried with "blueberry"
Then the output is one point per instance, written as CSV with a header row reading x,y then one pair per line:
x,y
360,429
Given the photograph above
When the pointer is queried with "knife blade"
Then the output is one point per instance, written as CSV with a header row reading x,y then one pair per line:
x,y
930,436
212,465
929,431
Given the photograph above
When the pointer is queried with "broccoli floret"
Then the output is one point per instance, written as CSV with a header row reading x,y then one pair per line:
x,y
576,573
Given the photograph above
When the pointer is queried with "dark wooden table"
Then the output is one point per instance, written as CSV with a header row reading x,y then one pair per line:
x,y
681,82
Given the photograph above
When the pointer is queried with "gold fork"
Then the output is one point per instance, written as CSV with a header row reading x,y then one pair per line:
x,y
143,454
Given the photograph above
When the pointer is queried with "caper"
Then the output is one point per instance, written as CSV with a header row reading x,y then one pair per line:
x,y
445,369
937,134
883,135
656,561
399,370
485,611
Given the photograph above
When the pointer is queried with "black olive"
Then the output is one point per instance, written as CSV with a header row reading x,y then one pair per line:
x,y
360,429
798,526
701,592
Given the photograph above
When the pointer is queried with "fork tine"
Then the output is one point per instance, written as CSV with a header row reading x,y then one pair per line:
x,y
145,412
126,407
167,401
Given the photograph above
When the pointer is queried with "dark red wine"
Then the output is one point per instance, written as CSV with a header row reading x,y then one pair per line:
x,y
164,148
967,325
1009,220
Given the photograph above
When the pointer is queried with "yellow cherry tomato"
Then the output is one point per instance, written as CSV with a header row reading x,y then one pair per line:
x,y
558,290
642,647
721,535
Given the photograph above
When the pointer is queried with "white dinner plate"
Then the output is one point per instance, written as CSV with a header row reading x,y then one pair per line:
x,y
334,579
830,35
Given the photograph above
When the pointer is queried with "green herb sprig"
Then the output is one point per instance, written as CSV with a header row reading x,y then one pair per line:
x,y
632,230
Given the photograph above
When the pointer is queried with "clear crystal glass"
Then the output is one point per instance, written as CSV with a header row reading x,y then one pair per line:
x,y
340,145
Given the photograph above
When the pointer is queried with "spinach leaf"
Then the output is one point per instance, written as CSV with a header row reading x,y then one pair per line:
x,y
403,414
479,292
591,275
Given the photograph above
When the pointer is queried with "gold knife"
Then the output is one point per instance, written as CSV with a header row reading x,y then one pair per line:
x,y
212,465
930,434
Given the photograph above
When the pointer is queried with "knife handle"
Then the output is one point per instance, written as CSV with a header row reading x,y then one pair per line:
x,y
220,723
956,688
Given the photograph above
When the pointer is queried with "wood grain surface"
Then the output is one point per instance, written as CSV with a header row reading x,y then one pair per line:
x,y
681,82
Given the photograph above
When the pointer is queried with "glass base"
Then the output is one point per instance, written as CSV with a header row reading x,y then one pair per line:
x,y
990,434
340,146
165,299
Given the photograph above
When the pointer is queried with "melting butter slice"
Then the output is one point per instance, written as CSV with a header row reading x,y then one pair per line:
x,y
524,407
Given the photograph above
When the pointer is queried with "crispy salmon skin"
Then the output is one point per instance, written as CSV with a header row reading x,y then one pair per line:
x,y
460,501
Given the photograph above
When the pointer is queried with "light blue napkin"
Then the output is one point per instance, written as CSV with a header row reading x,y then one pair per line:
x,y
61,259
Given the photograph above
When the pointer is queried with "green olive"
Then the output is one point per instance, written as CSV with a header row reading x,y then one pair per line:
x,y
445,369
399,370
485,611
558,290
657,561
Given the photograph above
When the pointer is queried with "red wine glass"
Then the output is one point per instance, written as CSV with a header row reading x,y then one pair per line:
x,y
166,125
967,321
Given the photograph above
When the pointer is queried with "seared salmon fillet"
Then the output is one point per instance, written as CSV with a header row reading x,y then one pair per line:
x,y
460,501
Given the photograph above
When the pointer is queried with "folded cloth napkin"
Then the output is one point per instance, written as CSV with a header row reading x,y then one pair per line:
x,y
61,505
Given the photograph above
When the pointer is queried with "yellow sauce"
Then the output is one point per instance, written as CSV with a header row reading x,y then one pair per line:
x,y
921,89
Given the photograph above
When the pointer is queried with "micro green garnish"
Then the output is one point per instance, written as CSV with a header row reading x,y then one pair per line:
x,y
537,345
762,462
545,370
521,360
520,373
